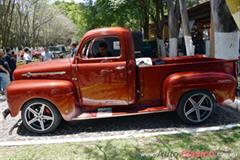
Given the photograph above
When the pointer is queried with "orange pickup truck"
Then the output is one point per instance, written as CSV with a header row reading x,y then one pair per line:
x,y
105,80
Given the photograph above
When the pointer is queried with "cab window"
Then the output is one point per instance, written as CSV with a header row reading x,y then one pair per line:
x,y
106,47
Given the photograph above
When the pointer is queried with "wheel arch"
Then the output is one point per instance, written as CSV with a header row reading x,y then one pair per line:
x,y
62,94
220,85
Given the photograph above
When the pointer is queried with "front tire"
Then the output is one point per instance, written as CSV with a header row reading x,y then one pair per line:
x,y
196,107
40,116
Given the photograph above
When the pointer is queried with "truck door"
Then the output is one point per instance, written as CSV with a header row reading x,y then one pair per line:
x,y
102,73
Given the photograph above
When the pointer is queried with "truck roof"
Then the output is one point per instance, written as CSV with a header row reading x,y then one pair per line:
x,y
107,31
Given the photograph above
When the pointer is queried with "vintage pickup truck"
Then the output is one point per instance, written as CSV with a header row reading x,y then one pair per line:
x,y
86,87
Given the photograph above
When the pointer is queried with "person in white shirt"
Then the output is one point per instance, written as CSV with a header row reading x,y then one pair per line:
x,y
27,55
46,55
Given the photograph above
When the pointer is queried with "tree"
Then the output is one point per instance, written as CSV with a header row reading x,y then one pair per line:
x,y
145,6
173,14
36,22
186,28
105,13
159,21
28,22
6,19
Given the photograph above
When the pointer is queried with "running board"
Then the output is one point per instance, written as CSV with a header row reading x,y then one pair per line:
x,y
108,112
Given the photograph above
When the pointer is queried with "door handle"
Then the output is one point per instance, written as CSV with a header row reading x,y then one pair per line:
x,y
105,61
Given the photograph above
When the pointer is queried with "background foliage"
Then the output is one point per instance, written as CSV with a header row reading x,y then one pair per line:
x,y
39,22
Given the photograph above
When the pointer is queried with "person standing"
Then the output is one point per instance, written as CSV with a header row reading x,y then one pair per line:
x,y
4,74
27,55
73,49
46,55
11,62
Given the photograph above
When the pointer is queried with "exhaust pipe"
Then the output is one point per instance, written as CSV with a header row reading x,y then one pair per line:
x,y
5,113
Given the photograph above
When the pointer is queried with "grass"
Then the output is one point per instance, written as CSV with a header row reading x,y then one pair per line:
x,y
216,145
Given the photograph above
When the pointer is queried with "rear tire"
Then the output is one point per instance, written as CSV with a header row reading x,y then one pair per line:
x,y
196,107
40,116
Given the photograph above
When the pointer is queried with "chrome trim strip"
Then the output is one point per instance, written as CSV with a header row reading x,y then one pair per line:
x,y
29,74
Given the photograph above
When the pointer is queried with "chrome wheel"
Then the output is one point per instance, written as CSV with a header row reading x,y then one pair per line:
x,y
39,117
198,107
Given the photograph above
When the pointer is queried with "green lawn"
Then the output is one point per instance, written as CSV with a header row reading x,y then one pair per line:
x,y
216,145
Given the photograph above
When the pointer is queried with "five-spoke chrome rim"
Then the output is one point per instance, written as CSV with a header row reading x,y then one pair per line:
x,y
198,107
39,116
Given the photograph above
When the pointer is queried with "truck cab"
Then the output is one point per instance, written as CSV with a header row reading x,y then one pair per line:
x,y
107,80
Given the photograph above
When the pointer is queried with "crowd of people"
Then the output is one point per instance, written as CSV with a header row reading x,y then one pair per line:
x,y
27,56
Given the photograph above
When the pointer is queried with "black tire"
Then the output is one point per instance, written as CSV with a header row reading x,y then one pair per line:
x,y
190,113
40,116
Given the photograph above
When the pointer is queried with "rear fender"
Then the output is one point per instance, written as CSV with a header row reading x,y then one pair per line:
x,y
60,93
221,85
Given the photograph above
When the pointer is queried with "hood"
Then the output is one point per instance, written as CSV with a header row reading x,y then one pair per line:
x,y
59,68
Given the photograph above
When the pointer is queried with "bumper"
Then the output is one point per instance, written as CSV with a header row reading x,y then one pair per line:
x,y
5,113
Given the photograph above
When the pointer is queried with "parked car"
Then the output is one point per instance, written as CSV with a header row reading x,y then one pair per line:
x,y
86,87
58,51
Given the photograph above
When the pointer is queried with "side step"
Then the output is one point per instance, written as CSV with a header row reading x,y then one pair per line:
x,y
108,112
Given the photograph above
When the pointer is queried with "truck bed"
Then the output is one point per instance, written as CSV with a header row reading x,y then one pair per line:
x,y
151,78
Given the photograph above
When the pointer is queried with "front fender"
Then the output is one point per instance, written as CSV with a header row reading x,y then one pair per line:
x,y
61,93
222,85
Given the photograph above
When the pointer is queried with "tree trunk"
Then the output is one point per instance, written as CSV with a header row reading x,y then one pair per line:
x,y
173,29
10,20
158,21
226,37
6,15
146,26
159,28
144,5
186,28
